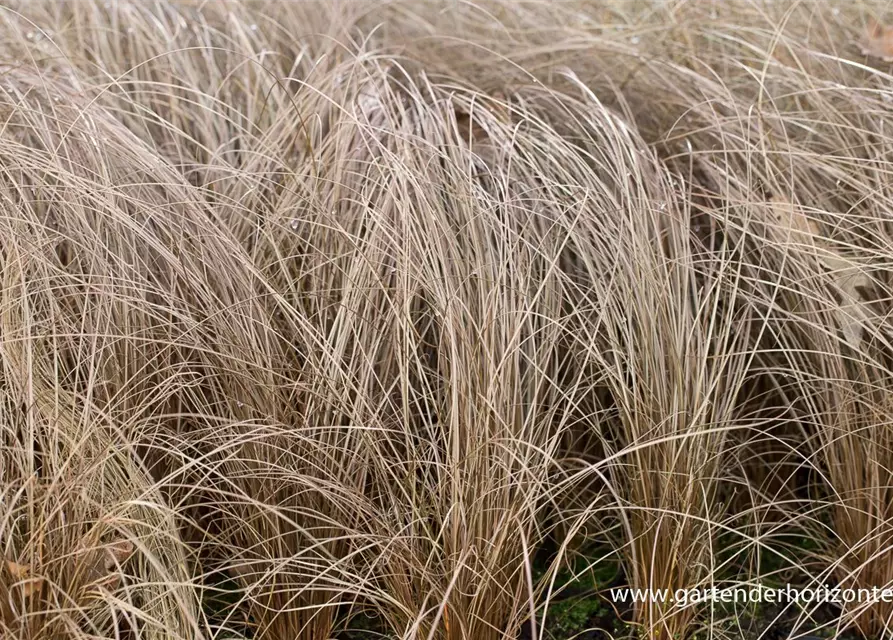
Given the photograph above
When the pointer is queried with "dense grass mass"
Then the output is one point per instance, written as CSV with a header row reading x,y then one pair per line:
x,y
436,320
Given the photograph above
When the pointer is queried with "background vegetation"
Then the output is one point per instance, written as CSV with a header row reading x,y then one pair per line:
x,y
435,320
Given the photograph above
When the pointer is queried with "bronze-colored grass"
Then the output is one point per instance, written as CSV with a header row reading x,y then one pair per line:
x,y
309,309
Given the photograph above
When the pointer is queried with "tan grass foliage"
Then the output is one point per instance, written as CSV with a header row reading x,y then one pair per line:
x,y
311,310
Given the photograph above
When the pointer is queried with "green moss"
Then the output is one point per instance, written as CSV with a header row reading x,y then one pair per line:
x,y
581,608
572,616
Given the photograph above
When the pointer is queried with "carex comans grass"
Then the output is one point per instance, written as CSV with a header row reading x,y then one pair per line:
x,y
311,312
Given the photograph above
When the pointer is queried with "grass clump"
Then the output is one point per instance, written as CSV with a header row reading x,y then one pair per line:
x,y
318,312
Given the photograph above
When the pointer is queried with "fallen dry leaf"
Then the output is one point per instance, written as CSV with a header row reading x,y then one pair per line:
x,y
847,274
804,230
878,41
849,277
22,573
101,564
99,567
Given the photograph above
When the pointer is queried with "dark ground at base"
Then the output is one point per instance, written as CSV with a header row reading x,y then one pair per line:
x,y
767,623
